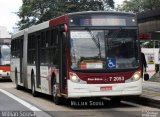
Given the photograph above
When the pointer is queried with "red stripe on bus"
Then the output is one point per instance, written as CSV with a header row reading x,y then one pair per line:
x,y
57,21
6,68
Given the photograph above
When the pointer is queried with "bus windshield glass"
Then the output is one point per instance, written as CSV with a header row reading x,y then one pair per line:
x,y
5,54
104,49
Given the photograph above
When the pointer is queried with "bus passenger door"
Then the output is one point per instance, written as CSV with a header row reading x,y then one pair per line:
x,y
21,60
63,70
38,79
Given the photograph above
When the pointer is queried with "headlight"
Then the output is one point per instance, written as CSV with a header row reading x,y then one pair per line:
x,y
137,75
74,77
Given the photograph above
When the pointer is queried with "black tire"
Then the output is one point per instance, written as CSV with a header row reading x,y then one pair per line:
x,y
34,93
16,81
56,98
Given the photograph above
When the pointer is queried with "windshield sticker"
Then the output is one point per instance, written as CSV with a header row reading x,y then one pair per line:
x,y
80,34
111,63
91,65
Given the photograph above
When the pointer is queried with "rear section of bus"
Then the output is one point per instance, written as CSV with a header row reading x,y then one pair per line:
x,y
5,52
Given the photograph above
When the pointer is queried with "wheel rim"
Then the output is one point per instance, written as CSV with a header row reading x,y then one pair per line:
x,y
33,89
33,85
16,82
54,90
16,79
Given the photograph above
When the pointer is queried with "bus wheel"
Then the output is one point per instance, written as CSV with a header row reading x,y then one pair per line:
x,y
34,93
16,81
56,99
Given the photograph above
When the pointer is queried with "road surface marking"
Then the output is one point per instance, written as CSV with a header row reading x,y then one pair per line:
x,y
38,112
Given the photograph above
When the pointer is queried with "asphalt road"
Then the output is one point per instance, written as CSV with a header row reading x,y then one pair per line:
x,y
71,108
9,104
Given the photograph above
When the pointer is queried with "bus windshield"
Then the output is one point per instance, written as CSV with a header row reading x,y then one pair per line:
x,y
5,54
104,49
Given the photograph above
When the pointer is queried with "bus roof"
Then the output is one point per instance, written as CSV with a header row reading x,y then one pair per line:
x,y
64,19
18,34
38,27
102,12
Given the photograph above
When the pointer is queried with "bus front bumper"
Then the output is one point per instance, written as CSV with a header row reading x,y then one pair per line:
x,y
4,74
76,90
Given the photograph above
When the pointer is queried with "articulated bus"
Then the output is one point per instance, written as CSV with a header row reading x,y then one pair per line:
x,y
83,54
5,49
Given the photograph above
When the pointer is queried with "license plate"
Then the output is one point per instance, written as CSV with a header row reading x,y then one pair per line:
x,y
106,88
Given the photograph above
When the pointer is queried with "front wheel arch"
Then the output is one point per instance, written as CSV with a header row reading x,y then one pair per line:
x,y
16,80
57,100
33,85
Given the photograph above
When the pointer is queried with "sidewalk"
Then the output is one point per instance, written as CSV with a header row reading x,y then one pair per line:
x,y
151,91
155,77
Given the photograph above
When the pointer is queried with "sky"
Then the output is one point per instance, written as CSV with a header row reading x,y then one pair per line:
x,y
118,1
8,18
9,7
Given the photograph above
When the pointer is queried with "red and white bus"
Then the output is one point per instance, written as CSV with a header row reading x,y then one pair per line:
x,y
5,49
83,54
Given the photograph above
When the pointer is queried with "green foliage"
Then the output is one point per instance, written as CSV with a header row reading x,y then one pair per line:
x,y
137,6
36,11
151,4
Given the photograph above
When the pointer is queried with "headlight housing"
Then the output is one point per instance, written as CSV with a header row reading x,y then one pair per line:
x,y
136,76
74,77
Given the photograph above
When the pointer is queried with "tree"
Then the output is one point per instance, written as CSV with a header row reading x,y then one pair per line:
x,y
151,4
138,6
36,11
131,6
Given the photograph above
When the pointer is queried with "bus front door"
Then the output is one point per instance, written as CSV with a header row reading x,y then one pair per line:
x,y
62,39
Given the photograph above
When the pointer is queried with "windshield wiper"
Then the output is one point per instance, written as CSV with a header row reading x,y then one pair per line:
x,y
96,41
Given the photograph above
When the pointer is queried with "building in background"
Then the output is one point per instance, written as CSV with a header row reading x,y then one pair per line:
x,y
149,29
4,33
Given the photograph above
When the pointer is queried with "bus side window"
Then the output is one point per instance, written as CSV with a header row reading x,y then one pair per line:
x,y
0,53
31,49
54,47
57,51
